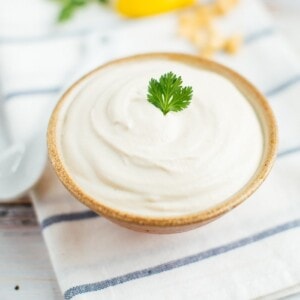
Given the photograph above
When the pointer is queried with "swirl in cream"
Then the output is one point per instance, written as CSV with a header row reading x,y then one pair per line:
x,y
122,151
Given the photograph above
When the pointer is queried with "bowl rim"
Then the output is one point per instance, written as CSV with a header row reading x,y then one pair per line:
x,y
203,216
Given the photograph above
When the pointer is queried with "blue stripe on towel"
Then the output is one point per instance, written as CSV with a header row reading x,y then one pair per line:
x,y
87,214
187,260
283,86
288,151
258,35
272,92
32,92
81,33
249,39
44,38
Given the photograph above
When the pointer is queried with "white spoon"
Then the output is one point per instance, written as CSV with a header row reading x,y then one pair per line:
x,y
21,164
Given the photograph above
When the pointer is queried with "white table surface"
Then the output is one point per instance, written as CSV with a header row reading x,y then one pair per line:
x,y
25,269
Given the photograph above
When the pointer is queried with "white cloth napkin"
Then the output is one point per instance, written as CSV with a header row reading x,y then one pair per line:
x,y
251,252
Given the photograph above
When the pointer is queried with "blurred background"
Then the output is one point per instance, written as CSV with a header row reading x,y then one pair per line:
x,y
47,44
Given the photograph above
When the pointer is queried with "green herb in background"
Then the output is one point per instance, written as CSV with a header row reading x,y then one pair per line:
x,y
168,94
69,7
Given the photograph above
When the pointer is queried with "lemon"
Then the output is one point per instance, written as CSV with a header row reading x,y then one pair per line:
x,y
140,8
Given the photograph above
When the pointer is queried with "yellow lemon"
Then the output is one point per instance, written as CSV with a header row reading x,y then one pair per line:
x,y
140,8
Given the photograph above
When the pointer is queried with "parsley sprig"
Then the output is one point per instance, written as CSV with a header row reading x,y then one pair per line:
x,y
69,7
167,93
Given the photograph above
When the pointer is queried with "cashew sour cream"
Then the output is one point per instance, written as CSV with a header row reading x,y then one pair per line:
x,y
123,152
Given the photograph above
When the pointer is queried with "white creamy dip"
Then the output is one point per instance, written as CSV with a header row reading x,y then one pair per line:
x,y
122,150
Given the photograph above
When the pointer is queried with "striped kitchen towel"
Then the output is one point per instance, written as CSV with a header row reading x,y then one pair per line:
x,y
251,252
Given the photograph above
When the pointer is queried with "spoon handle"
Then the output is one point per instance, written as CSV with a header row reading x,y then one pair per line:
x,y
4,139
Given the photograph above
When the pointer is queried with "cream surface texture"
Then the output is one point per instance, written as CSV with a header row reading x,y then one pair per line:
x,y
123,152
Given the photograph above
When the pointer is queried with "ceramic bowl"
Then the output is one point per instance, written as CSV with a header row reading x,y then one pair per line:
x,y
198,218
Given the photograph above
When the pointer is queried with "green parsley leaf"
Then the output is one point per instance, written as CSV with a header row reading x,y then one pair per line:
x,y
167,93
69,7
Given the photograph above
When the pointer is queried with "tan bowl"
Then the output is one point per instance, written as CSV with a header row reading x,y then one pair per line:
x,y
185,222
